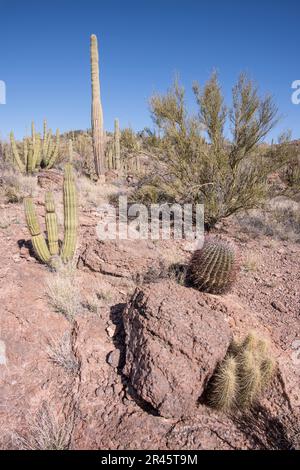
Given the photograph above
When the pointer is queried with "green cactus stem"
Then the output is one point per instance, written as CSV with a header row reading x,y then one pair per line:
x,y
52,153
38,240
51,223
70,214
243,375
16,155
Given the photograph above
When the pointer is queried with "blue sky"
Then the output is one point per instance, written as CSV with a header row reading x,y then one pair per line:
x,y
44,55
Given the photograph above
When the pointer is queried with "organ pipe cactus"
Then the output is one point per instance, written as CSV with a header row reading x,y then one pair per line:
x,y
37,152
49,253
97,113
213,268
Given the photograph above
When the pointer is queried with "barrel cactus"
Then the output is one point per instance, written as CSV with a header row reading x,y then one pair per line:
x,y
49,253
213,268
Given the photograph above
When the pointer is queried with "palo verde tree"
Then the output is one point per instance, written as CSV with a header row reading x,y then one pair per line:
x,y
196,163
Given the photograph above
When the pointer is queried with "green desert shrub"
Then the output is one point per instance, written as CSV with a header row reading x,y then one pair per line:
x,y
195,160
243,375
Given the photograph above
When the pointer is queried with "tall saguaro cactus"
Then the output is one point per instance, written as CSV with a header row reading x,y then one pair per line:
x,y
97,113
117,145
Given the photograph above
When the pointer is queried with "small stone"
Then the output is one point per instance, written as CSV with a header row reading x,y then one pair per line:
x,y
278,306
118,388
16,259
113,358
111,331
2,353
24,253
98,392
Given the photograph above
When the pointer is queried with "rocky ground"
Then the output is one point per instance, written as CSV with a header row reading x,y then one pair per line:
x,y
82,379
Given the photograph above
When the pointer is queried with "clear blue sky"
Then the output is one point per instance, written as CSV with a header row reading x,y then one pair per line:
x,y
44,55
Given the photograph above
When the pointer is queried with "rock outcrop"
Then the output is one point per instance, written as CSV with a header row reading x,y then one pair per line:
x,y
173,344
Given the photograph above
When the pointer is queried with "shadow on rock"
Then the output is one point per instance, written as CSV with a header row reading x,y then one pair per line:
x,y
116,316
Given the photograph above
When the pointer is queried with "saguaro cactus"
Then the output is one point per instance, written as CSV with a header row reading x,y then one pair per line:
x,y
97,113
117,145
50,255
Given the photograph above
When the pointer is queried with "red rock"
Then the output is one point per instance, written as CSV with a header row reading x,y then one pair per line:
x,y
171,346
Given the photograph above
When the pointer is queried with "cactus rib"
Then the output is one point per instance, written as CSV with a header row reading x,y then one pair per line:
x,y
51,223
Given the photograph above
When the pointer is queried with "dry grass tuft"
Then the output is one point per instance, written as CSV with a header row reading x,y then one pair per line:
x,y
94,194
63,292
15,186
280,220
251,262
61,354
46,432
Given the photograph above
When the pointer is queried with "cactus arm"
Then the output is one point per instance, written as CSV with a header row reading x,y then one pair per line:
x,y
25,150
47,144
70,215
38,241
16,155
51,223
30,163
36,152
33,132
53,154
71,153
